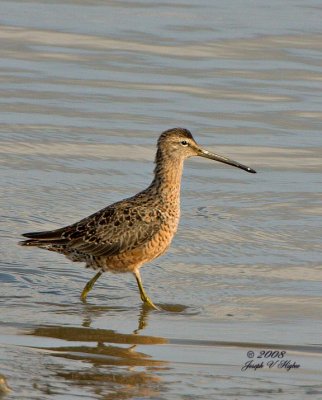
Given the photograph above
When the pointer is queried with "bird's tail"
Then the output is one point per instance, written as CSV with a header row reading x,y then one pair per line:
x,y
29,243
43,239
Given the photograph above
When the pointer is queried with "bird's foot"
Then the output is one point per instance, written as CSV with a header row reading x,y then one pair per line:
x,y
89,286
148,302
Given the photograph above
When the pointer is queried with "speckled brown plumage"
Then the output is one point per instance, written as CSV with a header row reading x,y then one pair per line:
x,y
127,234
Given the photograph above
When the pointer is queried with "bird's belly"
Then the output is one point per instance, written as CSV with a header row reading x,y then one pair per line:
x,y
130,260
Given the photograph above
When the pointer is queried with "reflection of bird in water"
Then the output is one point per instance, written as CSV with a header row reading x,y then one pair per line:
x,y
4,388
114,368
127,234
90,312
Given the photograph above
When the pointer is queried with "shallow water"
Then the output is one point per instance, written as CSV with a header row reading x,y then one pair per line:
x,y
86,87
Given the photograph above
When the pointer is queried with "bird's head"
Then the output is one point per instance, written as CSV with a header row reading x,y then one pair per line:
x,y
179,143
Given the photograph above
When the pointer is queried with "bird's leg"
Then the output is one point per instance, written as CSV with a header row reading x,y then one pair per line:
x,y
144,297
89,286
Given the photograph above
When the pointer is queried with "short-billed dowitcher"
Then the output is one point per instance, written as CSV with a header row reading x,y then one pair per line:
x,y
127,234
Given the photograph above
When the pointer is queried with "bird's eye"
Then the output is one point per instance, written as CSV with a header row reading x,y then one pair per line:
x,y
184,143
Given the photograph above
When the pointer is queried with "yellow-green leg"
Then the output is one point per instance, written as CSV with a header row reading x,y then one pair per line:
x,y
89,286
144,297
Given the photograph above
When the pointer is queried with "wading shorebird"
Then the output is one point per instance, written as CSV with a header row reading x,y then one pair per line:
x,y
131,232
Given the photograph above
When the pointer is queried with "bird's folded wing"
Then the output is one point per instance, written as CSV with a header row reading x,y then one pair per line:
x,y
114,230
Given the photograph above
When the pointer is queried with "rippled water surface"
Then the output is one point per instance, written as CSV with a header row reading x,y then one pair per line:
x,y
86,88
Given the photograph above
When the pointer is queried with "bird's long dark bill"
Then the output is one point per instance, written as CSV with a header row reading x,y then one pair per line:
x,y
225,160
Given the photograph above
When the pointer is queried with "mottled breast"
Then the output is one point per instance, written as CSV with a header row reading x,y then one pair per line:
x,y
152,248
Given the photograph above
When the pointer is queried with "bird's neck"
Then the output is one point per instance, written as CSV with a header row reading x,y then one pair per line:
x,y
167,178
